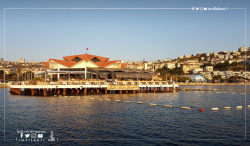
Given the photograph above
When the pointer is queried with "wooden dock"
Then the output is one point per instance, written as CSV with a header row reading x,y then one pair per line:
x,y
89,87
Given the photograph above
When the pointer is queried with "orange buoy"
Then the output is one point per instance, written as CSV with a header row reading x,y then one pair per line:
x,y
201,109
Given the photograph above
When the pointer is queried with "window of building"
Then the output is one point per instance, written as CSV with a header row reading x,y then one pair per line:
x,y
95,59
77,59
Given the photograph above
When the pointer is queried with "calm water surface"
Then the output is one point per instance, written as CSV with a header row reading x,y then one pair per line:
x,y
82,120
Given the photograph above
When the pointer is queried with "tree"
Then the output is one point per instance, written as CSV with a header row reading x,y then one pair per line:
x,y
222,66
218,77
206,64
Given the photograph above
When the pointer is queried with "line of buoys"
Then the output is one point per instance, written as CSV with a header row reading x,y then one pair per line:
x,y
242,93
214,108
170,106
152,104
188,108
65,96
55,95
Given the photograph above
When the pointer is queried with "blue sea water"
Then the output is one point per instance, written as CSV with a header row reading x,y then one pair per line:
x,y
93,120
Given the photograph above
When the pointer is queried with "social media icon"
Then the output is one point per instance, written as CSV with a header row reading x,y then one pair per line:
x,y
193,8
33,135
197,8
27,135
201,8
39,135
205,9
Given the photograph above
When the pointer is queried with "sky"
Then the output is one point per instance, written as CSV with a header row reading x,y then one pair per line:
x,y
120,34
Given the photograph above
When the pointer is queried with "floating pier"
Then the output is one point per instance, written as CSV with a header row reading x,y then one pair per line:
x,y
64,88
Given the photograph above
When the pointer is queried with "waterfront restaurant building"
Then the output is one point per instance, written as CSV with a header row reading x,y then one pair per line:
x,y
86,66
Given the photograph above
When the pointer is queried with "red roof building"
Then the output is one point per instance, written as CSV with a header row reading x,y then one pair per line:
x,y
82,61
76,66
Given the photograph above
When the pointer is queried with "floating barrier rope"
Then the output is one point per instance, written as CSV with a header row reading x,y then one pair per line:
x,y
169,106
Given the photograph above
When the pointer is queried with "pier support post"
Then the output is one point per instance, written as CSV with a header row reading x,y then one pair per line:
x,y
32,92
147,89
134,91
176,89
106,90
92,90
165,89
44,92
49,91
72,90
154,90
77,91
127,91
64,91
58,91
143,90
85,91
97,90
120,91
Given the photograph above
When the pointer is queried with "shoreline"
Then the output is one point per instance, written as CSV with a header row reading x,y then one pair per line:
x,y
212,84
4,86
182,84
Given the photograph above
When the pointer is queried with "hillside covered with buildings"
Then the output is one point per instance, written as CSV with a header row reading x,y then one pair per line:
x,y
220,66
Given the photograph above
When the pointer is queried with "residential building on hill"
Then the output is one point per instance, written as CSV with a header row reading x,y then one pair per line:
x,y
242,49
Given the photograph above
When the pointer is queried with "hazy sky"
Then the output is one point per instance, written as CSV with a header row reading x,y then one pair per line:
x,y
120,34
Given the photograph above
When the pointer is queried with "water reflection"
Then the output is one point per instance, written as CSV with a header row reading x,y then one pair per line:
x,y
83,118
